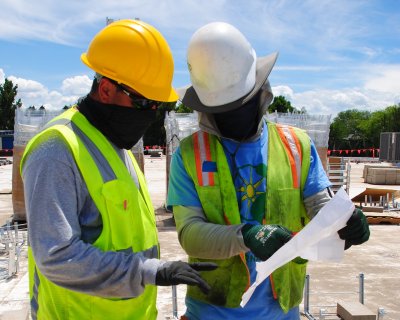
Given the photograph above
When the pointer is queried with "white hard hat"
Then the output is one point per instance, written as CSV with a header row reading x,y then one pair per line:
x,y
224,70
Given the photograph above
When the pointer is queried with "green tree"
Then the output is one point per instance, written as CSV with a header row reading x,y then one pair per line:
x,y
347,130
387,120
8,92
181,108
393,114
280,104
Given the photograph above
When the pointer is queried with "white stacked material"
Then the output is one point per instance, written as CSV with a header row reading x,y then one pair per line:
x,y
317,126
179,126
29,122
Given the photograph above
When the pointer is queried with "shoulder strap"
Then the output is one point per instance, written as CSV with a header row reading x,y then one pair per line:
x,y
297,146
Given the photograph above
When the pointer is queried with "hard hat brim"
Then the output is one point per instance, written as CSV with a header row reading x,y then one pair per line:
x,y
190,99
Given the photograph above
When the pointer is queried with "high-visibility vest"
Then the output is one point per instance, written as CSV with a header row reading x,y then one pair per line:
x,y
287,169
128,224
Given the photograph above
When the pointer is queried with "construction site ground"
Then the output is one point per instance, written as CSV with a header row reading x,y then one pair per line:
x,y
378,260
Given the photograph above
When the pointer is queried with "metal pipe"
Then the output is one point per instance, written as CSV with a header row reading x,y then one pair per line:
x,y
361,288
174,303
307,294
307,299
322,313
16,231
11,260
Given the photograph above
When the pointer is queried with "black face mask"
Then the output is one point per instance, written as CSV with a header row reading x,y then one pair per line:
x,y
122,125
241,123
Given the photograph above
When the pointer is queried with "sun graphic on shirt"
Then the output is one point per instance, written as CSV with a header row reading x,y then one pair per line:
x,y
251,190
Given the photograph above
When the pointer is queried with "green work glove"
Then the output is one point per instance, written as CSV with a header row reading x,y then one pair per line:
x,y
264,240
356,231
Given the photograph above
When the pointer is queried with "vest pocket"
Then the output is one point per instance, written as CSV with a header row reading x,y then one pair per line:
x,y
118,223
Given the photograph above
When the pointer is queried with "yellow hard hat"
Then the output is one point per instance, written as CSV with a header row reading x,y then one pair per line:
x,y
136,54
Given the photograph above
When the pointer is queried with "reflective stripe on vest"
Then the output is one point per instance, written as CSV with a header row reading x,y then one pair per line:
x,y
128,225
202,150
201,143
293,149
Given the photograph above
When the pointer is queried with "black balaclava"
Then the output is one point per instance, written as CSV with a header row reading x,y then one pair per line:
x,y
123,126
241,123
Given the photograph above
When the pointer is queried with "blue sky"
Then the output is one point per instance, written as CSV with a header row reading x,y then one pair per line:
x,y
333,55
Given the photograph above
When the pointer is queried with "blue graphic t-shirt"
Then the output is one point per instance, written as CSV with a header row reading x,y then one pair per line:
x,y
248,163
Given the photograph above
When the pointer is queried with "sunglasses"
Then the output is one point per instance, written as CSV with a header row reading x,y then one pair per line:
x,y
139,102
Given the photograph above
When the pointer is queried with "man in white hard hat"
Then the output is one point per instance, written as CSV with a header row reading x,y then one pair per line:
x,y
241,187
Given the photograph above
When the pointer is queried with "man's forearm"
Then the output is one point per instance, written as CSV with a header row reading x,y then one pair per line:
x,y
202,239
315,202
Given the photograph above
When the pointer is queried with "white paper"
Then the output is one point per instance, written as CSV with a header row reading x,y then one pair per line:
x,y
318,241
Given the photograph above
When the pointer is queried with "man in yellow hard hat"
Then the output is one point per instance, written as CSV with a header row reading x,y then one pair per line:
x,y
240,187
93,246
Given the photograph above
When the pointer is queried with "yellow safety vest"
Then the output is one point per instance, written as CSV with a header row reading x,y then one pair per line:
x,y
287,170
128,222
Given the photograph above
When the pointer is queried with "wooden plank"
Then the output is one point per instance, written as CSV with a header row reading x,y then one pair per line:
x,y
377,209
382,220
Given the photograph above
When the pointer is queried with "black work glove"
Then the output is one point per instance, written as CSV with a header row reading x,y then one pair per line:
x,y
178,272
356,231
264,240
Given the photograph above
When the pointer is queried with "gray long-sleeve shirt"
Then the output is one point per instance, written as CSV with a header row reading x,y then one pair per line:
x,y
64,223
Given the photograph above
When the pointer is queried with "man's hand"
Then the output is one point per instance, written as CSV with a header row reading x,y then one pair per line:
x,y
178,272
264,240
356,231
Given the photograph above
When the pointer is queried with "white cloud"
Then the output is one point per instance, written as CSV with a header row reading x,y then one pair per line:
x,y
384,78
33,93
331,102
284,91
328,24
28,86
78,85
324,45
309,68
370,52
321,101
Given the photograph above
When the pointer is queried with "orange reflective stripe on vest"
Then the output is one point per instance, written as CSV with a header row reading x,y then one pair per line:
x,y
201,142
293,149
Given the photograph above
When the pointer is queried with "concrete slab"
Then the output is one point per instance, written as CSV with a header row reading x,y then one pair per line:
x,y
354,311
378,260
